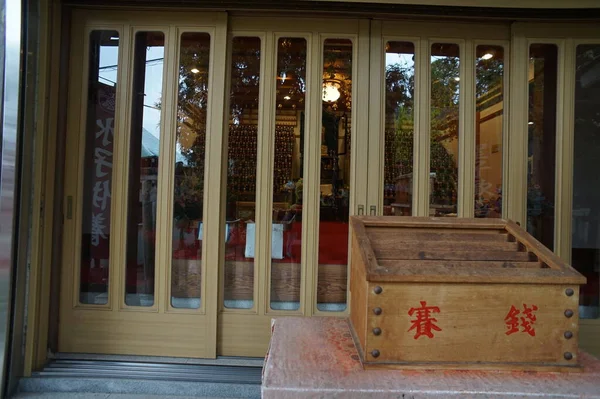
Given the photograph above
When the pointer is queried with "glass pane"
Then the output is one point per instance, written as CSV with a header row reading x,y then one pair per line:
x,y
192,106
97,170
148,59
586,180
399,128
240,224
335,175
543,66
286,234
489,97
445,84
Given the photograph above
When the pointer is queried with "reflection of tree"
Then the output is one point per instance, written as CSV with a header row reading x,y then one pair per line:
x,y
444,127
489,87
192,104
586,179
489,81
245,76
444,122
542,142
291,68
444,116
192,101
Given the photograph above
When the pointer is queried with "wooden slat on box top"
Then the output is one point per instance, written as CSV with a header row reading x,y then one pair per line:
x,y
417,249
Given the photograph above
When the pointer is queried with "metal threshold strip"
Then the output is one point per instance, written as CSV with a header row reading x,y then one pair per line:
x,y
154,371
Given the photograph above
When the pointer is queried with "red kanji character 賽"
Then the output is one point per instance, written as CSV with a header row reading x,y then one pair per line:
x,y
424,323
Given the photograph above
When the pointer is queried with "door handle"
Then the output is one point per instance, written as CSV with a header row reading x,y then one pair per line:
x,y
361,210
373,210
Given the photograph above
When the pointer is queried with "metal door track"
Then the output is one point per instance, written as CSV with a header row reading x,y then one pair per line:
x,y
71,368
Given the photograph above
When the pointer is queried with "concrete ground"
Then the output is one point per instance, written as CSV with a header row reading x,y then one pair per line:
x,y
65,395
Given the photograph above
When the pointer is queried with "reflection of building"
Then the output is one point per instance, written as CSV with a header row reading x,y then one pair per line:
x,y
237,211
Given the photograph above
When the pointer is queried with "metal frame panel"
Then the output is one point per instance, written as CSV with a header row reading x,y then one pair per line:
x,y
14,210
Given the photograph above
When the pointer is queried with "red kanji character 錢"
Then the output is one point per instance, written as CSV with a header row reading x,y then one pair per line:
x,y
424,322
529,319
512,321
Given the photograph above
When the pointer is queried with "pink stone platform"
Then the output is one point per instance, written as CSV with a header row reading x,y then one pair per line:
x,y
316,358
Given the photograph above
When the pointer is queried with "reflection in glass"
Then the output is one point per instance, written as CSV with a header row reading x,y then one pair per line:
x,y
97,170
335,175
543,66
148,59
286,233
489,97
240,220
192,105
399,128
586,179
445,84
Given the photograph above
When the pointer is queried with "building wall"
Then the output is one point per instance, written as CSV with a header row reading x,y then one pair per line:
x,y
489,139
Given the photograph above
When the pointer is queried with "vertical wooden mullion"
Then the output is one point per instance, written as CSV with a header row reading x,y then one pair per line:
x,y
516,185
78,88
506,154
264,167
228,51
213,210
122,134
44,176
466,131
565,139
164,220
374,65
312,151
421,137
366,159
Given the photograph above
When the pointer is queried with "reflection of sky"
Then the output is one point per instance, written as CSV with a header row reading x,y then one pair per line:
x,y
153,89
440,57
152,85
404,60
154,78
108,64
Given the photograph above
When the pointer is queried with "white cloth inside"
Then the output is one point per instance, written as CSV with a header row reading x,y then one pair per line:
x,y
276,241
200,232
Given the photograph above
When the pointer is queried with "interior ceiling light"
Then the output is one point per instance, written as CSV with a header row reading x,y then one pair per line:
x,y
195,70
530,123
287,98
331,91
487,56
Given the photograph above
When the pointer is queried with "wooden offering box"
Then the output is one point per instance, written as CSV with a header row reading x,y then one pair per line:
x,y
449,293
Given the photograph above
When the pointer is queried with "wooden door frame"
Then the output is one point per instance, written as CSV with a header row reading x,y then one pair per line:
x,y
116,327
247,331
566,36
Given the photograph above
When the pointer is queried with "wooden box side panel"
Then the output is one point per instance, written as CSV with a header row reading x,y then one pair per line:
x,y
358,295
481,324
